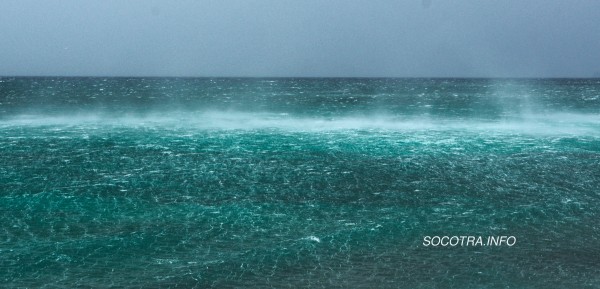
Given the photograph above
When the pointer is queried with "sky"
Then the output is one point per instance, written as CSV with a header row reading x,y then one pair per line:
x,y
301,38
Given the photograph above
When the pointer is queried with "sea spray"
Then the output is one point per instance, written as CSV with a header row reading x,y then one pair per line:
x,y
297,182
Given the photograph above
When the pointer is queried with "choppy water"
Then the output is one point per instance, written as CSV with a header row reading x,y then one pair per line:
x,y
288,183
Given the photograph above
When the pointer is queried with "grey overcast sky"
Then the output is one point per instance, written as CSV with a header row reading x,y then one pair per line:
x,y
355,38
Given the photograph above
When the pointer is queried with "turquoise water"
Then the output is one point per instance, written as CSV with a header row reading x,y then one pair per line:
x,y
293,183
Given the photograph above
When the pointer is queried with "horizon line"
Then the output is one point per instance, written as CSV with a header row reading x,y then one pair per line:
x,y
299,77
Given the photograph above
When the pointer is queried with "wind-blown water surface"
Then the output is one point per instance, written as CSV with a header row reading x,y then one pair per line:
x,y
288,183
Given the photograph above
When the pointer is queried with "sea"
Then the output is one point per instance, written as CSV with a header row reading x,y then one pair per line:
x,y
299,183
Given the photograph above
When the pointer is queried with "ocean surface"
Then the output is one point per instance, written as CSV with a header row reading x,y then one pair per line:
x,y
298,183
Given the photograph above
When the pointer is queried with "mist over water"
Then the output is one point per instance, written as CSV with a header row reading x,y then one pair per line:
x,y
526,105
532,124
165,182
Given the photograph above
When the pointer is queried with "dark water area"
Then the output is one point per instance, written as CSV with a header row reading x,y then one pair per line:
x,y
298,183
460,98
